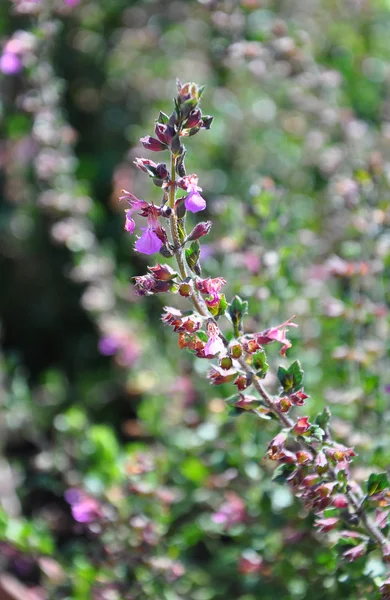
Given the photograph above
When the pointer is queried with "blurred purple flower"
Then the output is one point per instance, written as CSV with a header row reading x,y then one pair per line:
x,y
84,509
10,63
108,345
231,512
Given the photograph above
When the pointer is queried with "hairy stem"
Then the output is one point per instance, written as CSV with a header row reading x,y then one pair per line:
x,y
176,238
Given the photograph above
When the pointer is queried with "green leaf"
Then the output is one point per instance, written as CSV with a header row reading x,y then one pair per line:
x,y
201,89
323,418
192,257
377,482
194,470
237,310
162,118
220,309
316,433
202,336
291,379
282,472
259,362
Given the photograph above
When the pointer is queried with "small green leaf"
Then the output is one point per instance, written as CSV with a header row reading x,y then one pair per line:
x,y
237,310
291,379
377,482
316,433
282,472
202,336
220,309
162,118
194,470
323,418
181,230
192,257
259,362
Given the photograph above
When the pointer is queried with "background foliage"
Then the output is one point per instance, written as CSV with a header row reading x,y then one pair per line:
x,y
95,397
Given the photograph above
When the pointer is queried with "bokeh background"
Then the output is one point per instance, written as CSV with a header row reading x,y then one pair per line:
x,y
122,473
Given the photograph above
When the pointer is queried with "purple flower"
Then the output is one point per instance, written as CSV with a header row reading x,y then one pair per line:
x,y
231,512
72,2
211,287
214,344
108,345
10,63
135,204
194,201
129,223
84,509
149,242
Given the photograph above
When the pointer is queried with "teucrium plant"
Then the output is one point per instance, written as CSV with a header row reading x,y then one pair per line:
x,y
314,465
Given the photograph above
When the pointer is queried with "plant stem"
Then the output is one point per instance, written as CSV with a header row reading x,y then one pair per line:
x,y
176,238
286,421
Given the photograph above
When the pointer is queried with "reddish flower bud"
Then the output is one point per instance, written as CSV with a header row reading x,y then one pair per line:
x,y
251,346
194,119
355,552
162,272
301,426
199,230
327,524
218,376
276,445
164,133
310,480
340,501
243,381
152,144
298,399
247,402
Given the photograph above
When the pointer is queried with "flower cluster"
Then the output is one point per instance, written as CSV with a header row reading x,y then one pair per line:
x,y
186,120
314,466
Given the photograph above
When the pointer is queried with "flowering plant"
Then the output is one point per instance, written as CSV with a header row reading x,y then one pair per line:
x,y
309,460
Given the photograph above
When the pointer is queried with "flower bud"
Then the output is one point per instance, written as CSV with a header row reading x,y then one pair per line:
x,y
301,426
284,405
162,171
243,381
236,351
152,144
176,145
164,133
199,230
226,362
162,272
185,289
194,119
